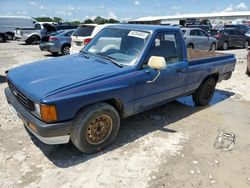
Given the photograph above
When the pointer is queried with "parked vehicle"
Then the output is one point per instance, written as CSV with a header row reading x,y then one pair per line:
x,y
34,35
29,35
83,35
196,38
205,28
229,37
56,43
242,28
83,96
9,23
3,37
248,63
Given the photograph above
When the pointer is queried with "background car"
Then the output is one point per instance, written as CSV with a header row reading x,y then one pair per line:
x,y
248,63
83,35
56,43
197,38
229,37
3,37
242,28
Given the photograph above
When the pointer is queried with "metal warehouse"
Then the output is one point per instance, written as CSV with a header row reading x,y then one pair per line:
x,y
223,17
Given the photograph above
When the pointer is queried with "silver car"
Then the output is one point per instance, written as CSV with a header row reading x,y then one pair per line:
x,y
196,38
58,42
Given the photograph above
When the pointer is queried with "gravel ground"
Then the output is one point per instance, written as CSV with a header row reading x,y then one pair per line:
x,y
169,146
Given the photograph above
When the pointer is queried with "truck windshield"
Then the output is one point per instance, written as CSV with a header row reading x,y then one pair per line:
x,y
121,45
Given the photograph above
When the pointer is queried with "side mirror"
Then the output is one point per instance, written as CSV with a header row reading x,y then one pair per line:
x,y
158,63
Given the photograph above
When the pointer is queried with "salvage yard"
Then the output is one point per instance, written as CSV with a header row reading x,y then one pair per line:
x,y
169,146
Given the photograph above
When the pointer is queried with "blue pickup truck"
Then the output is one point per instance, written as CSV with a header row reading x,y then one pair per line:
x,y
124,70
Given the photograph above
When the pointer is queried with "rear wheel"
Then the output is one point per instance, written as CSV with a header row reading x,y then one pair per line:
x,y
204,93
32,40
65,49
95,127
245,45
190,46
225,45
9,36
213,47
248,71
2,39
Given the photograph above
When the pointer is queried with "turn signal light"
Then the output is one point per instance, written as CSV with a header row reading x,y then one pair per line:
x,y
48,113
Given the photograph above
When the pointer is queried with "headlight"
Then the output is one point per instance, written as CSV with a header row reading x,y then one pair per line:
x,y
47,113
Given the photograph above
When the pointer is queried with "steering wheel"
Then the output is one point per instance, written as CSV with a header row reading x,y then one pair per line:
x,y
132,51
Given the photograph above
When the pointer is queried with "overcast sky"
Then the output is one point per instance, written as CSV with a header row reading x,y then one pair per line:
x,y
117,9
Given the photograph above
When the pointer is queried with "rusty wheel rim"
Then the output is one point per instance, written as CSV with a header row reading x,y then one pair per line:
x,y
99,129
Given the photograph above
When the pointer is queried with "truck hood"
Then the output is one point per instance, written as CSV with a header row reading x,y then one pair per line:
x,y
38,79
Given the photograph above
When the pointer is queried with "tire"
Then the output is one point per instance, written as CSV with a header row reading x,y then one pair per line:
x,y
204,93
225,45
65,49
9,36
2,39
213,47
84,133
245,45
190,46
248,71
32,40
54,53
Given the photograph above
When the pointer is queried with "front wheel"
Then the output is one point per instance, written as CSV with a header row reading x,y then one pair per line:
x,y
205,92
95,127
225,45
65,50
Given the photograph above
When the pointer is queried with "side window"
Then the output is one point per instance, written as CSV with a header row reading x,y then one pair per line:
x,y
68,34
231,32
202,33
238,33
193,33
38,26
167,46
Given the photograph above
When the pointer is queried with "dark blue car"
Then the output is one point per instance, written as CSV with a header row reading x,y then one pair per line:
x,y
124,70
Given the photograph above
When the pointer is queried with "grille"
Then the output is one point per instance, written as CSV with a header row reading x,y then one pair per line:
x,y
21,97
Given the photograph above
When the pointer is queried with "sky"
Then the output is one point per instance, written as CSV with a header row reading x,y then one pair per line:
x,y
122,10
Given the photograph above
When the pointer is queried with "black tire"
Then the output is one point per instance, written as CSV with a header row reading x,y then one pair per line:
x,y
33,40
55,53
65,49
86,127
213,47
9,36
190,46
225,45
248,71
245,45
204,93
2,38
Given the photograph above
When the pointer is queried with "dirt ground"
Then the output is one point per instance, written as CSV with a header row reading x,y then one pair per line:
x,y
169,146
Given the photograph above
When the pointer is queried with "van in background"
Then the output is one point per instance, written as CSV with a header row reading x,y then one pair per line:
x,y
9,23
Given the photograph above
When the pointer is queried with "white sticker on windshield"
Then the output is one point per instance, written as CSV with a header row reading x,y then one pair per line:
x,y
138,34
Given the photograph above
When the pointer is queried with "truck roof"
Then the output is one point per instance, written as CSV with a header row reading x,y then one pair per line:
x,y
144,27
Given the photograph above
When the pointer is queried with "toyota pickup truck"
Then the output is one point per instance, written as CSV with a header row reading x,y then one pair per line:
x,y
124,70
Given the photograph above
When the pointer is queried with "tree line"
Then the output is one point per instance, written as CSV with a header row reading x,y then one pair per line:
x,y
97,20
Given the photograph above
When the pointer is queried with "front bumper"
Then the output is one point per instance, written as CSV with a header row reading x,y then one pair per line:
x,y
55,133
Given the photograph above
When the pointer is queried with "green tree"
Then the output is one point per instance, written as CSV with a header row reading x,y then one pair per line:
x,y
111,20
76,22
88,21
100,20
57,19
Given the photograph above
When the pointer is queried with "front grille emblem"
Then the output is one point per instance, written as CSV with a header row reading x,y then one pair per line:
x,y
15,93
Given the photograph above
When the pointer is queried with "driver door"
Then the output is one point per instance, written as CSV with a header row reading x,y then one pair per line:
x,y
172,80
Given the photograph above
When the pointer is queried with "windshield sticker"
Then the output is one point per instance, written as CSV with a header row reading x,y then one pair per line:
x,y
138,34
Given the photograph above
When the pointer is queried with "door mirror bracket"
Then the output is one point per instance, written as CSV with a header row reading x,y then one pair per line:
x,y
158,63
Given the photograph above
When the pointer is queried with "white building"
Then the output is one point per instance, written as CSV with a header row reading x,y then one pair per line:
x,y
223,17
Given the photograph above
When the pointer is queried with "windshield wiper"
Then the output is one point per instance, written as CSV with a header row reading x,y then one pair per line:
x,y
111,59
85,54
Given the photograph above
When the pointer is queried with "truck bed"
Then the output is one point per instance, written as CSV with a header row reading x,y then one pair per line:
x,y
201,56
